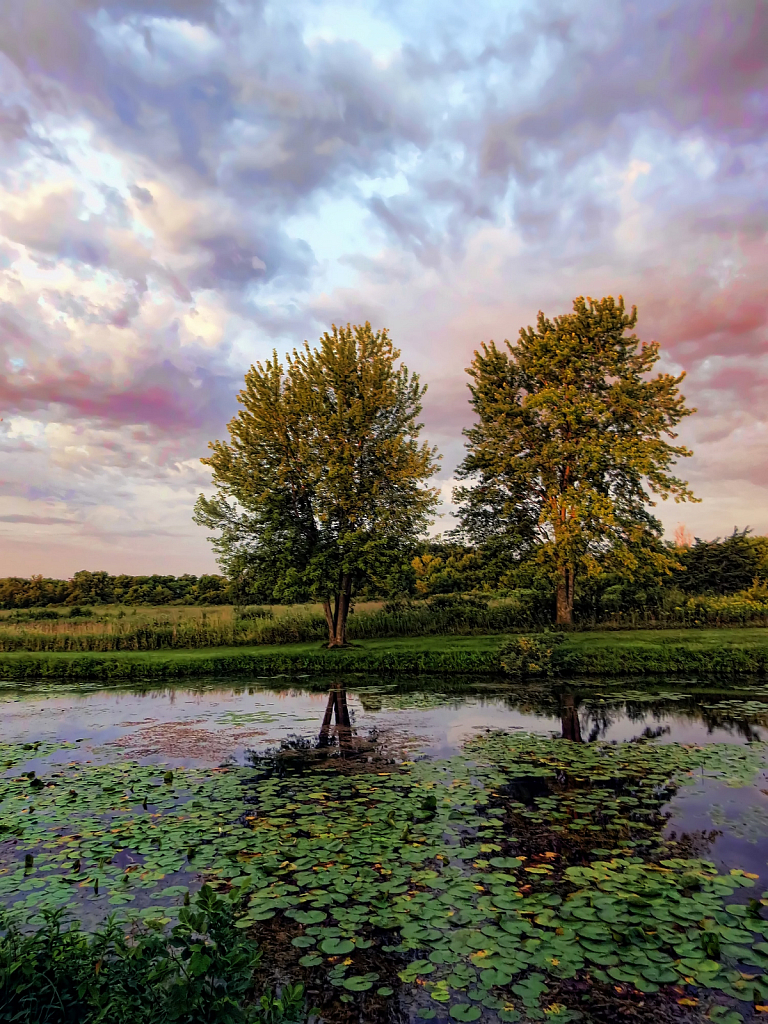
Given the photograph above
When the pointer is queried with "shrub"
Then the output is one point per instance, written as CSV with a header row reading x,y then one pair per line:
x,y
256,611
33,615
76,612
202,972
529,655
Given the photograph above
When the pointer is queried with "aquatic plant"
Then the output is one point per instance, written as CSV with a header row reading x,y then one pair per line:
x,y
504,883
202,972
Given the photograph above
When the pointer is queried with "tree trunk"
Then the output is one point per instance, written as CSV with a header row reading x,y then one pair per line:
x,y
329,618
337,712
337,621
565,596
569,719
325,728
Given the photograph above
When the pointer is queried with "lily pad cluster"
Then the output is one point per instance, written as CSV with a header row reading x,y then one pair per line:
x,y
97,837
490,885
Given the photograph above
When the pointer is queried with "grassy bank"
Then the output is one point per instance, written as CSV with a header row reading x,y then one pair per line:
x,y
725,653
111,628
430,654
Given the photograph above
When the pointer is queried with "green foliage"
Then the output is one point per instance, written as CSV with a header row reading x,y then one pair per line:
x,y
443,615
723,566
718,583
445,567
529,655
321,486
440,656
95,588
698,653
200,973
569,445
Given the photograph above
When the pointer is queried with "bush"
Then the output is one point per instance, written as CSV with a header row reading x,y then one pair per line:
x,y
721,566
529,655
256,611
202,972
33,615
76,612
443,602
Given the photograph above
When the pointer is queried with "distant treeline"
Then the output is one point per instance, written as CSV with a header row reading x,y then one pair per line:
x,y
94,588
737,564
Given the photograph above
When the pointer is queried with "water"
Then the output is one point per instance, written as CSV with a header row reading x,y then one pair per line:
x,y
200,725
215,723
363,719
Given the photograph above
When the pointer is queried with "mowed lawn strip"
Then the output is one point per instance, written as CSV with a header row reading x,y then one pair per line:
x,y
723,652
417,654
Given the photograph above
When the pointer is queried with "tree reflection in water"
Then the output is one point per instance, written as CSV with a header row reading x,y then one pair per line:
x,y
569,718
337,724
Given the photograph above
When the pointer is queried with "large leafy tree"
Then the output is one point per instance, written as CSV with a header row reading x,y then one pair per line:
x,y
322,485
572,442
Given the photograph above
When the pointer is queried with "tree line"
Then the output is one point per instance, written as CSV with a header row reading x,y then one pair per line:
x,y
96,588
437,568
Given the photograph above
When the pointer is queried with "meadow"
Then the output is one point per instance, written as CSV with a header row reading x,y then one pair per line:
x,y
111,628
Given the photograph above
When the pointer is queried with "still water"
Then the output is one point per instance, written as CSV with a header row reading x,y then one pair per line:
x,y
85,800
223,722
199,725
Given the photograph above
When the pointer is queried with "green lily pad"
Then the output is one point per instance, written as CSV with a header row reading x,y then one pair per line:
x,y
357,983
311,960
336,947
465,1011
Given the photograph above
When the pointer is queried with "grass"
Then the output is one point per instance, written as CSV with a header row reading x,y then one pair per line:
x,y
144,614
164,629
727,653
113,628
417,654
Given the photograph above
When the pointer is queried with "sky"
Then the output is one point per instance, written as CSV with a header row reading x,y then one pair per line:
x,y
186,185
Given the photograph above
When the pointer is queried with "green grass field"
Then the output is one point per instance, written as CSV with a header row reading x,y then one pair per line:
x,y
727,653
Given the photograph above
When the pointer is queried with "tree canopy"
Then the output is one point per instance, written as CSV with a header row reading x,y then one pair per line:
x,y
323,483
571,442
723,566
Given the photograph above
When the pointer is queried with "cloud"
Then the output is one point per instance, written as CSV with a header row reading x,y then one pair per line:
x,y
35,520
187,184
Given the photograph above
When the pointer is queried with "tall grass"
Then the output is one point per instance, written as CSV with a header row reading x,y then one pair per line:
x,y
255,627
249,627
747,608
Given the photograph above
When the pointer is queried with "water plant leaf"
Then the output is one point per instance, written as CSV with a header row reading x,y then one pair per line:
x,y
336,947
465,1012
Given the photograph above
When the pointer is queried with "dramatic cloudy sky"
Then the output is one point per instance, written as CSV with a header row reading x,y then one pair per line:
x,y
186,184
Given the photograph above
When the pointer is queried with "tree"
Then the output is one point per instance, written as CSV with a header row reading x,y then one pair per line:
x,y
569,444
322,486
722,566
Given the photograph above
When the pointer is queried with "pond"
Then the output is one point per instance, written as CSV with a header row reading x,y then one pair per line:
x,y
425,841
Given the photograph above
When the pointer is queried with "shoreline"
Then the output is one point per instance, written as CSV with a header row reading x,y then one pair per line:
x,y
729,654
